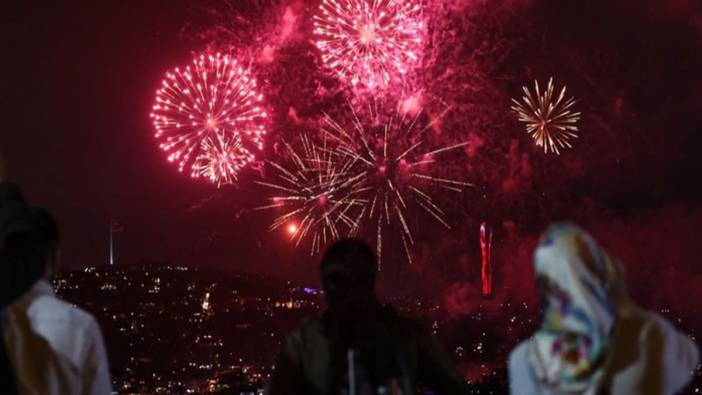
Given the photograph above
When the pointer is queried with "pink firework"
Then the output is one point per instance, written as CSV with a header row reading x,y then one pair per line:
x,y
211,103
220,160
370,43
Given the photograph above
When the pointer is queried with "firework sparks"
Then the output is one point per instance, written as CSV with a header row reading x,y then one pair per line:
x,y
549,119
314,192
198,110
369,42
392,173
220,159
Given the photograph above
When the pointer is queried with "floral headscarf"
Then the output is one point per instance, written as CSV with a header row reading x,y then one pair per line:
x,y
576,278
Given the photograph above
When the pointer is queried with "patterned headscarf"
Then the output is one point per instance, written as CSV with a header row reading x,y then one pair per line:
x,y
577,280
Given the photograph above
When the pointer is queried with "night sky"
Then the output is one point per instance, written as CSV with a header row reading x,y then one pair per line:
x,y
78,138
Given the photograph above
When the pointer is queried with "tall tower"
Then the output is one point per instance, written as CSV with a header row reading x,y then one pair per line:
x,y
115,227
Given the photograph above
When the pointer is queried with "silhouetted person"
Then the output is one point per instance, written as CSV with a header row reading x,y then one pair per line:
x,y
594,339
21,256
359,346
75,361
21,261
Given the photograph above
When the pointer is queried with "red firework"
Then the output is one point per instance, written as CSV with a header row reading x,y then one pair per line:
x,y
369,43
486,250
210,114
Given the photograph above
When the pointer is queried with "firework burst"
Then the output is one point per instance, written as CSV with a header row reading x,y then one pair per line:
x,y
314,191
369,43
549,119
394,174
199,110
220,159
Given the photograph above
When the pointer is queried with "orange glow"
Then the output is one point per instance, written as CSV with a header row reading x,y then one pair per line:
x,y
292,229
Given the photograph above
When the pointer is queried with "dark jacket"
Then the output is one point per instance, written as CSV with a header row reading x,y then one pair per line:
x,y
309,360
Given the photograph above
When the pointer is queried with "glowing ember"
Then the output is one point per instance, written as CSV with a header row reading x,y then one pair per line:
x,y
292,229
549,120
209,116
369,43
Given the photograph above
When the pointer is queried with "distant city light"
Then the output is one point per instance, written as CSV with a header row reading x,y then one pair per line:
x,y
206,301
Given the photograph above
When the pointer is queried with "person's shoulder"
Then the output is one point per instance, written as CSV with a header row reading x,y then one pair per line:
x,y
391,315
652,325
518,369
71,331
407,329
677,352
310,323
55,311
87,321
305,338
311,326
658,321
519,354
659,328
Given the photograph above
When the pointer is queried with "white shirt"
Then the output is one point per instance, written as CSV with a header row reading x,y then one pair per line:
x,y
55,347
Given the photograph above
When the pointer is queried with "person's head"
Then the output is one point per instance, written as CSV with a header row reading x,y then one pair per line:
x,y
580,286
568,261
48,238
348,268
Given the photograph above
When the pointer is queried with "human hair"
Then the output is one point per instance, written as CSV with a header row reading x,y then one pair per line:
x,y
47,227
353,254
348,266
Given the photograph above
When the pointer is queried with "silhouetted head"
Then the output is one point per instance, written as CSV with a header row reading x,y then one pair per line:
x,y
48,237
349,268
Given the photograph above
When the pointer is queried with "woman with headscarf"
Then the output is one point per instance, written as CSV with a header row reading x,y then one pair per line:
x,y
594,339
